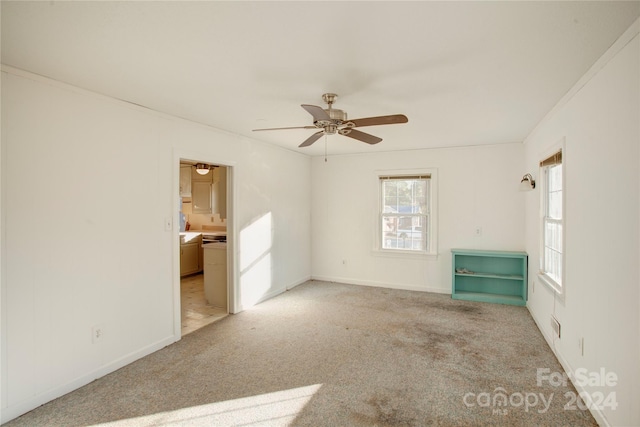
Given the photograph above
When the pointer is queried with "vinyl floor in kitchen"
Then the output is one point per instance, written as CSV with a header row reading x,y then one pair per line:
x,y
196,313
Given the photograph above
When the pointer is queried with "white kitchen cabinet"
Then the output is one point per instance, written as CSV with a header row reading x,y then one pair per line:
x,y
219,191
201,192
215,274
185,181
201,197
190,261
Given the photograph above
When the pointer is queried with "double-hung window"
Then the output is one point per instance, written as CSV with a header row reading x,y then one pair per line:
x,y
552,221
405,212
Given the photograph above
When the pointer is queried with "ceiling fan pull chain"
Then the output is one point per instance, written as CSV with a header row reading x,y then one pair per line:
x,y
325,148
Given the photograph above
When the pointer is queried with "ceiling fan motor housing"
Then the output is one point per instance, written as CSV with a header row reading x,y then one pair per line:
x,y
337,115
337,118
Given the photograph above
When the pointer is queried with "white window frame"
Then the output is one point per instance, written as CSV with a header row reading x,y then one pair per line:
x,y
432,214
558,287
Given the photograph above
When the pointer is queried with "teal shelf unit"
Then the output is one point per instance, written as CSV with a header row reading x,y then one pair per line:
x,y
489,276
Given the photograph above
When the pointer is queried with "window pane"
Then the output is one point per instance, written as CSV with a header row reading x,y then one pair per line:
x,y
553,235
404,232
390,196
420,196
555,178
555,205
404,196
553,264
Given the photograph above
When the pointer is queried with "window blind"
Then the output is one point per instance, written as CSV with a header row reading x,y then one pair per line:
x,y
404,177
554,159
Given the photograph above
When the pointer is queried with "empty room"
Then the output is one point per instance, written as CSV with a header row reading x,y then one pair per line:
x,y
320,213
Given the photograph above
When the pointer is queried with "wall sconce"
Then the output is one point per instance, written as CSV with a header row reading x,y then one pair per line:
x,y
202,168
527,183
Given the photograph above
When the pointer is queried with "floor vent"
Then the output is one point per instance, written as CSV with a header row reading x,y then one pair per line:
x,y
555,325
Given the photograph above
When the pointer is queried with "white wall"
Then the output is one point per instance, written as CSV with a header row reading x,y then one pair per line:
x,y
600,125
74,167
477,187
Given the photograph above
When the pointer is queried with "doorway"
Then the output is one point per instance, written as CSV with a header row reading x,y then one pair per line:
x,y
203,282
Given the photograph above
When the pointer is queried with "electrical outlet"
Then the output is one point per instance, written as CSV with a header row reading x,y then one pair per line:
x,y
478,232
97,333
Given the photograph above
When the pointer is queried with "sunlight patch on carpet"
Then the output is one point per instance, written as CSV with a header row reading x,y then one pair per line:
x,y
277,408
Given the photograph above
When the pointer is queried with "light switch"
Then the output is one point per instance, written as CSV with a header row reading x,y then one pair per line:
x,y
168,224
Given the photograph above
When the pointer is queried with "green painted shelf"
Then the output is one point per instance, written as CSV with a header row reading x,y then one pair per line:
x,y
489,276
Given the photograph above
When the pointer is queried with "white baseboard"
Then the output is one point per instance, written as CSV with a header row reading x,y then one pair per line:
x,y
276,292
299,282
349,281
33,402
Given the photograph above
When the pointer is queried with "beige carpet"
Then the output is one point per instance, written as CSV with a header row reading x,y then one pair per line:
x,y
326,354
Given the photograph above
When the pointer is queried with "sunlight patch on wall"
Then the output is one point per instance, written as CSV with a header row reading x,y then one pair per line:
x,y
255,282
277,408
255,260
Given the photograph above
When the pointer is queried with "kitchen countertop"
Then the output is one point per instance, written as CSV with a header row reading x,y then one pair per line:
x,y
207,232
188,235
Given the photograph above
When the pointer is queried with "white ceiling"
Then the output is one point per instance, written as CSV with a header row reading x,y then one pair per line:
x,y
465,73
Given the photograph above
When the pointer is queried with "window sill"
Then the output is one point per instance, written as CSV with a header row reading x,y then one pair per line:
x,y
551,284
387,253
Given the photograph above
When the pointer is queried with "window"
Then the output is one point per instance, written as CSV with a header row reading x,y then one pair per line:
x,y
405,212
552,221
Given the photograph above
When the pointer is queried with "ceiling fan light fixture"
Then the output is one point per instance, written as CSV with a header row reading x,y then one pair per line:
x,y
202,168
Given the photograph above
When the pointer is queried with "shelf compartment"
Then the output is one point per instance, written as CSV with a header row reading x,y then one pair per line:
x,y
489,285
483,264
493,276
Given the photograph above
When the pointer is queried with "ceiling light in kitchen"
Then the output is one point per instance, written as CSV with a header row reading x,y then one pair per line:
x,y
202,168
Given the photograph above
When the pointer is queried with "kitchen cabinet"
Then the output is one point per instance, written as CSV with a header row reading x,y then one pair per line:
x,y
201,192
190,260
185,181
219,203
201,197
489,276
215,274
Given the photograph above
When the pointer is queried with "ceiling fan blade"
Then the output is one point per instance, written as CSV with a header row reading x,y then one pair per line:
x,y
313,138
317,112
360,136
294,127
381,120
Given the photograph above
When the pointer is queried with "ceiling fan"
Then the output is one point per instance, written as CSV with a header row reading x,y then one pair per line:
x,y
330,121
